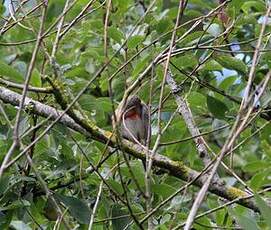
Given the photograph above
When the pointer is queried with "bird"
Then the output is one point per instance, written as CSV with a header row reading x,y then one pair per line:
x,y
134,121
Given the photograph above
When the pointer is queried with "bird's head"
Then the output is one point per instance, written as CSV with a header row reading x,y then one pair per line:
x,y
133,108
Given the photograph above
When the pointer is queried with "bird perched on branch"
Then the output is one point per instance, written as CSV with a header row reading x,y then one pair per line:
x,y
134,121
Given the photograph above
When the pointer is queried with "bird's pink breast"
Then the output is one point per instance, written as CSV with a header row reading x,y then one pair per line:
x,y
133,115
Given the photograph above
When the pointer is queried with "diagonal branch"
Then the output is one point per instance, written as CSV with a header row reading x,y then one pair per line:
x,y
186,113
174,168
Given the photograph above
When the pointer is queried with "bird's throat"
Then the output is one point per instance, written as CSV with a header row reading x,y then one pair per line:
x,y
132,114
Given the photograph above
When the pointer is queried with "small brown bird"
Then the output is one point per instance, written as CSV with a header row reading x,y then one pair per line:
x,y
134,121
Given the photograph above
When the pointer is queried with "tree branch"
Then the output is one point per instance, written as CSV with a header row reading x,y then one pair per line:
x,y
174,168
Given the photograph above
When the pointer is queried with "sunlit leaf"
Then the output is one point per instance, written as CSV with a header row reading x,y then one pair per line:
x,y
231,63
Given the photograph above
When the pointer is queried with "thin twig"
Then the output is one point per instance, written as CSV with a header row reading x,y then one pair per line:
x,y
25,89
95,206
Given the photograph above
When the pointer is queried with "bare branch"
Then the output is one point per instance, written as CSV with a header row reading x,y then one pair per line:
x,y
175,168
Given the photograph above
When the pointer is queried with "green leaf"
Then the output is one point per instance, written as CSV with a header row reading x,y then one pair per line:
x,y
267,58
138,171
185,61
265,209
266,133
9,183
123,4
119,222
258,5
212,65
163,190
115,34
116,186
15,205
36,78
227,82
5,219
245,221
140,66
10,72
199,225
256,166
237,4
216,107
104,104
163,25
231,63
258,180
196,99
78,209
77,71
2,9
4,180
135,41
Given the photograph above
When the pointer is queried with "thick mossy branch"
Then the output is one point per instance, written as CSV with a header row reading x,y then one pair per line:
x,y
62,99
175,168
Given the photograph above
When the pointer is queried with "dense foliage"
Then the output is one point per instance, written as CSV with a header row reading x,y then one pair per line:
x,y
220,62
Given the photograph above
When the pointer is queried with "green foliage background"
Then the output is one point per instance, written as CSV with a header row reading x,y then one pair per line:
x,y
214,91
